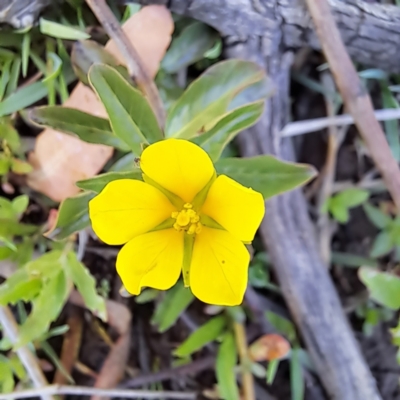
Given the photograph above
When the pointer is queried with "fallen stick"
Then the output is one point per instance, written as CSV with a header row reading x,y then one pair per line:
x,y
355,96
53,390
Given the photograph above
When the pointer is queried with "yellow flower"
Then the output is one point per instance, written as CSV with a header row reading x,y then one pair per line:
x,y
181,218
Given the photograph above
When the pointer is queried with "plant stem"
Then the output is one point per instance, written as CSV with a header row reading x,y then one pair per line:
x,y
247,376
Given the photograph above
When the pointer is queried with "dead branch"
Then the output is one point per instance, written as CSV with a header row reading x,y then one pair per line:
x,y
89,391
131,56
355,96
371,32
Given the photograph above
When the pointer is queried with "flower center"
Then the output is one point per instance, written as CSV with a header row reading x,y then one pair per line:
x,y
187,220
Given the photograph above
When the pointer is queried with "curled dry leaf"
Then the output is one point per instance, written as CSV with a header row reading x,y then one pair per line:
x,y
269,347
60,160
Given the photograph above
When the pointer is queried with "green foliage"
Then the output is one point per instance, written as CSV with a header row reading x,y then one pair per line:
x,y
217,138
61,31
339,204
389,238
86,285
131,116
98,183
10,213
176,301
46,282
9,149
73,216
190,46
384,287
86,53
208,332
208,97
225,368
266,174
282,325
87,127
297,384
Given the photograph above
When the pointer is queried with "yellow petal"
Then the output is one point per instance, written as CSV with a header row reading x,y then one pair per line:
x,y
151,260
218,272
126,208
179,166
237,208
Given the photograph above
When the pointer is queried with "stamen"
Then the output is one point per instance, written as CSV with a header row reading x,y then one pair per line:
x,y
187,220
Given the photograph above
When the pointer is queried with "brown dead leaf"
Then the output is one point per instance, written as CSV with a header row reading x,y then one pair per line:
x,y
60,160
113,368
269,347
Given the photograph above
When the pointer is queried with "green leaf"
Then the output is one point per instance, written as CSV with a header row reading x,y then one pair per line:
x,y
4,163
73,216
125,164
189,47
225,369
282,325
87,127
208,332
216,139
11,227
23,97
376,216
85,53
46,308
20,204
208,97
20,167
86,285
339,211
55,64
383,286
61,31
352,260
383,244
391,126
266,174
147,296
6,376
98,183
9,134
176,301
296,376
47,266
272,369
131,116
351,197
21,285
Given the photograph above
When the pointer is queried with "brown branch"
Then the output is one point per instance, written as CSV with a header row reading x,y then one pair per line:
x,y
188,369
354,95
131,56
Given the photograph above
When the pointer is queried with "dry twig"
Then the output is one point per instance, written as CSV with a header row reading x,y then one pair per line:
x,y
88,391
316,124
132,58
355,96
335,138
10,329
247,376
